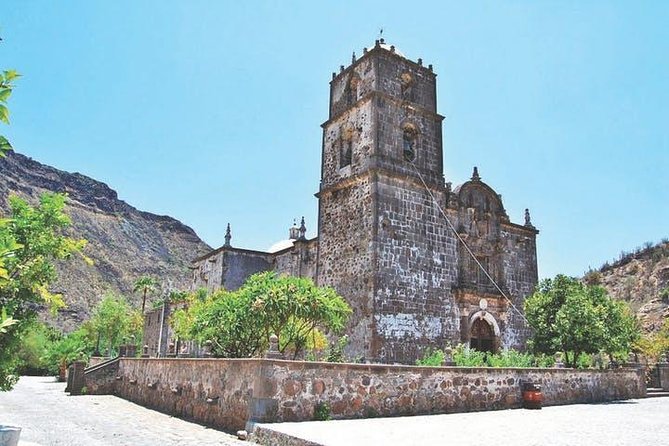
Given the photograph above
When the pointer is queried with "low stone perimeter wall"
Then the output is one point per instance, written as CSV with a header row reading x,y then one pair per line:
x,y
235,393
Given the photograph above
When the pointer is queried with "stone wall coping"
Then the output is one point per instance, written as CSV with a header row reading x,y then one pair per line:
x,y
377,367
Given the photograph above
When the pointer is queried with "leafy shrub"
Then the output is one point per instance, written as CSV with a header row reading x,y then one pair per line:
x,y
664,294
511,358
543,360
336,353
431,358
239,323
463,356
584,361
322,412
593,277
39,339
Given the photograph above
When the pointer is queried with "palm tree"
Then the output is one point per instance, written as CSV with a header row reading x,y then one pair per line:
x,y
145,284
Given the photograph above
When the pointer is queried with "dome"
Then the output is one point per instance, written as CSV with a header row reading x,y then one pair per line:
x,y
280,246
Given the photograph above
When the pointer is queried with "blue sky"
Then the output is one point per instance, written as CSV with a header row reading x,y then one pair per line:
x,y
210,111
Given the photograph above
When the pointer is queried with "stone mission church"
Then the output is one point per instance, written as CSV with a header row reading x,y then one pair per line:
x,y
392,233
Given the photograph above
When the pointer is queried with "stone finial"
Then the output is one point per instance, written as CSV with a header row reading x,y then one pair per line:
x,y
341,68
303,230
228,236
528,220
382,40
448,356
364,50
353,57
392,48
334,75
377,42
558,361
429,67
475,174
273,352
420,61
207,348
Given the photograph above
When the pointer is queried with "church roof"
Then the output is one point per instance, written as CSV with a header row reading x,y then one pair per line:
x,y
281,245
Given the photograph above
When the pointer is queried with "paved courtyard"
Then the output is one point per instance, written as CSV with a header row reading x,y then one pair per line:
x,y
48,416
634,422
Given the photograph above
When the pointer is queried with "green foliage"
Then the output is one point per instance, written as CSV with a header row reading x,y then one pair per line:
x,y
432,358
240,323
116,322
584,361
225,318
336,351
664,294
322,412
31,240
652,345
593,277
7,79
5,321
574,318
77,345
543,360
511,358
38,340
463,356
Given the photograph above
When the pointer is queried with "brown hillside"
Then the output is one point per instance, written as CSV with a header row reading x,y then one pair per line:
x,y
123,242
642,279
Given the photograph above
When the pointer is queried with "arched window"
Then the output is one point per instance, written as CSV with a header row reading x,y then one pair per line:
x,y
409,137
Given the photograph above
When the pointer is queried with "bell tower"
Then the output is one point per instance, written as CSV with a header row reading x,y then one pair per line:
x,y
381,241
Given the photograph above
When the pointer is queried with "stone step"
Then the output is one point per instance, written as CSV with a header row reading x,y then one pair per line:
x,y
654,392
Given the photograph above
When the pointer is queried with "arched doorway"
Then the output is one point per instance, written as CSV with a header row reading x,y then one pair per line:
x,y
482,336
484,333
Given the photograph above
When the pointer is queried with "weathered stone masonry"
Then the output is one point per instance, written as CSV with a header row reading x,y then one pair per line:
x,y
232,394
383,242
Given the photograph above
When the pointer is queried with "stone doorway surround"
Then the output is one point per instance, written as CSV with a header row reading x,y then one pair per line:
x,y
484,332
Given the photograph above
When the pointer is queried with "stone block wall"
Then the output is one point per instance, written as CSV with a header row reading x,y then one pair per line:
x,y
663,372
357,391
232,394
346,256
414,306
100,379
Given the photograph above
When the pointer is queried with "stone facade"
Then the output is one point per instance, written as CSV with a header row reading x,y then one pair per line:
x,y
412,255
232,394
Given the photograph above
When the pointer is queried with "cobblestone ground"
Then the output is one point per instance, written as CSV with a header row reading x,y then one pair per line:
x,y
48,416
634,422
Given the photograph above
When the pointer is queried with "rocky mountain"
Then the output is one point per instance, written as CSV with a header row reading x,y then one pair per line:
x,y
642,279
123,242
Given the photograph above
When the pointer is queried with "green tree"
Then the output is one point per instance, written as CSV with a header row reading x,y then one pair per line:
x,y
7,78
69,348
574,318
145,284
31,240
240,323
116,321
35,344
